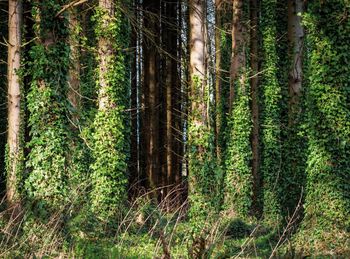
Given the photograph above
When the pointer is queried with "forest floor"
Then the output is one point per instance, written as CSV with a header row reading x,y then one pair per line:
x,y
147,234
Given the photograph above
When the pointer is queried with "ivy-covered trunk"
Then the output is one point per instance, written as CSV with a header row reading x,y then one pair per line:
x,y
271,161
294,146
109,179
199,134
238,178
254,89
218,75
325,227
46,184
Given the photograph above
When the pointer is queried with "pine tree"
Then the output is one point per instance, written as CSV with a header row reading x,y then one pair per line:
x,y
151,95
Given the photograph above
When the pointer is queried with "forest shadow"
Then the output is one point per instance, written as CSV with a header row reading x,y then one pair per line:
x,y
248,240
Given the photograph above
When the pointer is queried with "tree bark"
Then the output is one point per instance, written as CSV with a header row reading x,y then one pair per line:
x,y
14,101
238,55
198,71
179,111
151,88
171,95
134,179
198,56
105,53
74,71
218,122
198,122
295,37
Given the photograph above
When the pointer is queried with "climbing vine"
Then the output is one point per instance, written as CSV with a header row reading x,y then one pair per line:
x,y
238,178
49,59
202,177
109,127
327,207
238,172
270,114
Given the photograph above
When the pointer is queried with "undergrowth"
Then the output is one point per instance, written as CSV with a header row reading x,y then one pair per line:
x,y
146,231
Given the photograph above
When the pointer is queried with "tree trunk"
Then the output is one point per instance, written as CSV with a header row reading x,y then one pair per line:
x,y
255,101
134,179
238,175
14,101
74,71
218,119
110,129
238,56
171,95
199,156
169,123
271,112
179,112
105,53
47,159
295,37
151,88
198,56
198,69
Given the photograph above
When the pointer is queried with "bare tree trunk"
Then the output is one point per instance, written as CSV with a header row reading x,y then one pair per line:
x,y
169,123
295,37
143,95
254,100
151,88
74,71
14,101
218,93
105,53
238,56
198,71
171,94
134,179
164,83
179,102
198,55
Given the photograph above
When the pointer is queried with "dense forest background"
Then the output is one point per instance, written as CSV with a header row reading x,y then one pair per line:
x,y
174,128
